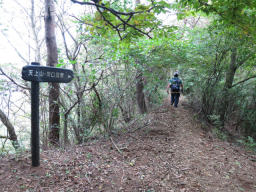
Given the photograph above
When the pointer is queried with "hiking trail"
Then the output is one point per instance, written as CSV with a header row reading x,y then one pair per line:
x,y
167,151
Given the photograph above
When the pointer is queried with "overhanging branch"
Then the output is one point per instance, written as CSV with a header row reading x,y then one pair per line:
x,y
112,10
12,80
124,22
254,76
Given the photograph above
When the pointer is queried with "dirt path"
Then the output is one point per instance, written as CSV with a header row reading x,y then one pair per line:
x,y
170,153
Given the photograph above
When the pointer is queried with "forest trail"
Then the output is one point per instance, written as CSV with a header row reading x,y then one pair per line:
x,y
169,152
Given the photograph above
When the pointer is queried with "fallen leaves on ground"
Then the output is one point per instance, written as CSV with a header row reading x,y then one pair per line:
x,y
172,153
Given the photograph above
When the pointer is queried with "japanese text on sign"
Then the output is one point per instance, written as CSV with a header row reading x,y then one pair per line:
x,y
36,73
46,74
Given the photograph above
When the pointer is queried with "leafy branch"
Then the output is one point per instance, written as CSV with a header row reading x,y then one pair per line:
x,y
113,11
244,80
123,18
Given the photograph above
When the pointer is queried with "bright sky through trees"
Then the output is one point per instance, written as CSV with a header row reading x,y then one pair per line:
x,y
14,24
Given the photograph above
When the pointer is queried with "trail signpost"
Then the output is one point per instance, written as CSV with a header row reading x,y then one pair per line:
x,y
36,74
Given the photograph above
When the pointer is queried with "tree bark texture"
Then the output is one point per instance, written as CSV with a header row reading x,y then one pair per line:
x,y
230,74
65,130
10,129
52,60
140,94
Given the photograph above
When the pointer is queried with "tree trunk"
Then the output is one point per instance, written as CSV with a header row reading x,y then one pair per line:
x,y
10,129
230,74
140,94
35,33
65,130
52,60
140,86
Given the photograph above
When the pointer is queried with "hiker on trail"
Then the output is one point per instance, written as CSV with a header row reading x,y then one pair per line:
x,y
176,86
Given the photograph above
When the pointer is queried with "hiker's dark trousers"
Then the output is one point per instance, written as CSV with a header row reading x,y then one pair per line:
x,y
175,99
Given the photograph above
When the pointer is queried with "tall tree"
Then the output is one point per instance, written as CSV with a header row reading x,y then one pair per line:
x,y
140,96
52,60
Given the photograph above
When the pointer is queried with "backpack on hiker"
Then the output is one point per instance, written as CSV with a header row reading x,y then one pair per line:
x,y
175,84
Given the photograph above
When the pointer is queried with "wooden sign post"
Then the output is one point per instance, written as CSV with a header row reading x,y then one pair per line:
x,y
36,73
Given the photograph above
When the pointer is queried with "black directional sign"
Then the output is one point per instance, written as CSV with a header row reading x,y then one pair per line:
x,y
39,73
36,74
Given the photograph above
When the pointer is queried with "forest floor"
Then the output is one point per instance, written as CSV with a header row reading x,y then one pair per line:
x,y
170,152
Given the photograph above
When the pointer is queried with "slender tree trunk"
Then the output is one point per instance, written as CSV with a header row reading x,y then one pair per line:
x,y
35,32
10,129
52,60
140,94
65,130
140,86
228,84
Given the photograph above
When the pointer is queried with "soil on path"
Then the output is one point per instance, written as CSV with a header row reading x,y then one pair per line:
x,y
167,151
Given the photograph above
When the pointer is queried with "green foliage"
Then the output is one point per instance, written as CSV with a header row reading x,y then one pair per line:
x,y
135,23
202,55
205,67
219,134
61,63
215,119
247,113
249,143
235,12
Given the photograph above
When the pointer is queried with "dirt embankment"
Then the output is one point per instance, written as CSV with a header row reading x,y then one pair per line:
x,y
169,152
